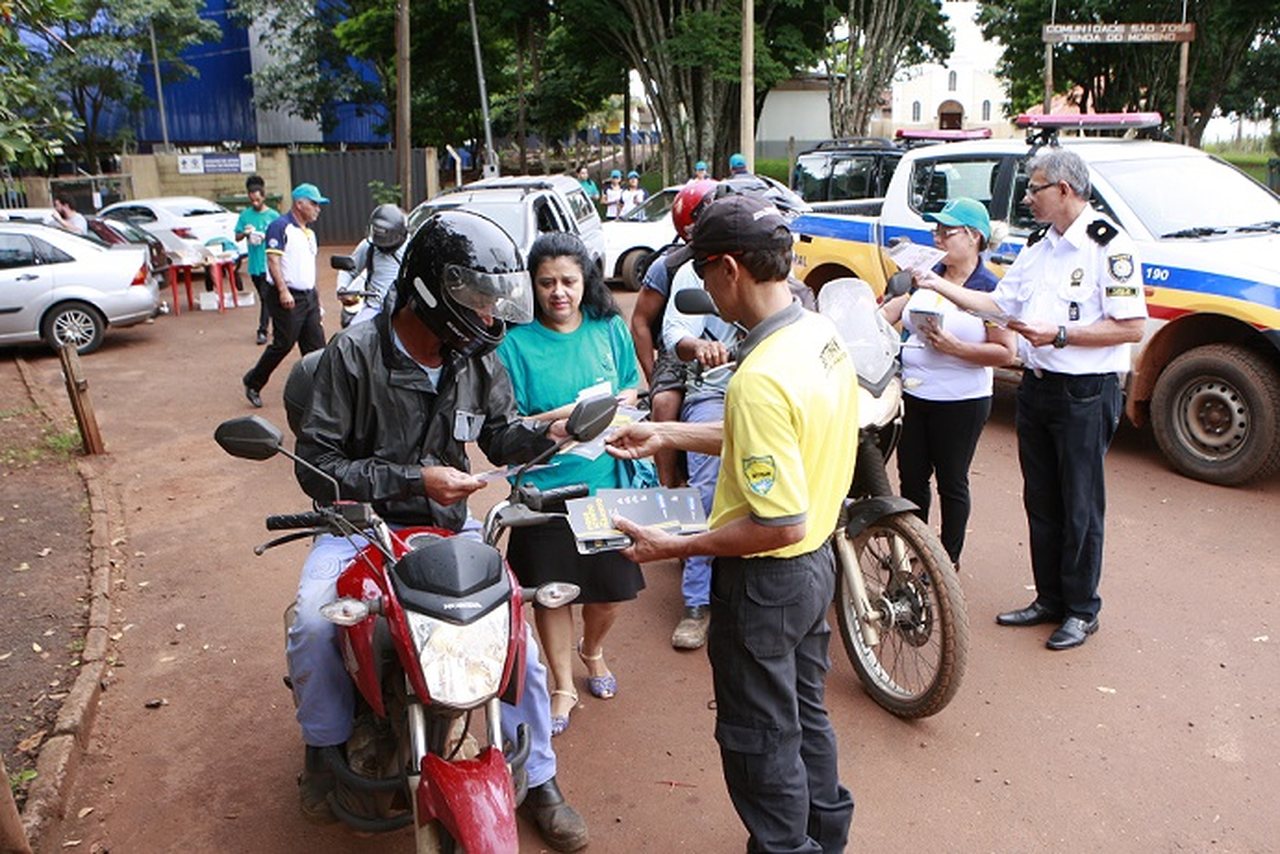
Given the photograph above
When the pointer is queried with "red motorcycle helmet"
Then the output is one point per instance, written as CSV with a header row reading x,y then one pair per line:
x,y
690,201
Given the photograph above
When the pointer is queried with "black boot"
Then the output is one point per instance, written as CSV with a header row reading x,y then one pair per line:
x,y
315,784
560,825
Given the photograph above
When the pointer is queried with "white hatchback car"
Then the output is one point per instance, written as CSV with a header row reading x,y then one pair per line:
x,y
190,228
630,240
66,290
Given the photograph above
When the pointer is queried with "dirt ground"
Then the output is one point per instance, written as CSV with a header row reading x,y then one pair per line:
x,y
1161,734
43,573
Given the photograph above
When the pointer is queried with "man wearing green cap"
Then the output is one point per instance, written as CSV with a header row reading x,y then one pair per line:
x,y
293,303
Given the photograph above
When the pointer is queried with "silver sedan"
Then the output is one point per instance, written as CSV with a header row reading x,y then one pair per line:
x,y
66,290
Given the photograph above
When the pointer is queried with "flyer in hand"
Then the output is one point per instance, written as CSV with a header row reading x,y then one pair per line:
x,y
915,257
677,511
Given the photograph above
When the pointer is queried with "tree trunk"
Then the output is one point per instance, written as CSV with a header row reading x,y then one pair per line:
x,y
879,33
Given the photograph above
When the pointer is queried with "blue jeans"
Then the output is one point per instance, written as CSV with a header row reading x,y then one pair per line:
x,y
704,469
325,694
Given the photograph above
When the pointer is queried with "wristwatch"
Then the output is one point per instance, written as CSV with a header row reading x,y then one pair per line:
x,y
1060,340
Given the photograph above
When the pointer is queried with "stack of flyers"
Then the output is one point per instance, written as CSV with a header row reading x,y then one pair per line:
x,y
677,511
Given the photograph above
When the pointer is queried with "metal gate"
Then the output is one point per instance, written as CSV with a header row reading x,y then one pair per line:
x,y
343,177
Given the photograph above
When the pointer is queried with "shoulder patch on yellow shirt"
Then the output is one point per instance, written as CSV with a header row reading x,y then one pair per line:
x,y
760,473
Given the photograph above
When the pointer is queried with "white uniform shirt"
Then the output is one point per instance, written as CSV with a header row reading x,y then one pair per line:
x,y
632,199
1072,280
296,246
940,376
613,201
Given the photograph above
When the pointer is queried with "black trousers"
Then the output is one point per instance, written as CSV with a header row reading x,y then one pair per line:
x,y
298,325
261,285
938,440
768,649
1065,424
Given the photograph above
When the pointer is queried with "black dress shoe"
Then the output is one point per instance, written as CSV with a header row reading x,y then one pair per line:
x,y
1072,633
1032,615
251,394
560,825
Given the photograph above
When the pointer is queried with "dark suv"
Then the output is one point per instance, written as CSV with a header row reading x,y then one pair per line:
x,y
841,170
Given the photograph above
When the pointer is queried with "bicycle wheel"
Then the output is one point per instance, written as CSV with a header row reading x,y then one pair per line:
x,y
914,659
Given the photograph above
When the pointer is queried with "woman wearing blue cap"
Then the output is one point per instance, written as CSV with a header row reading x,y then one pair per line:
x,y
700,172
947,362
613,195
633,195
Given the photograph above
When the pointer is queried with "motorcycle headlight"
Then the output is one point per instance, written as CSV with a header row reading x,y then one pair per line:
x,y
462,664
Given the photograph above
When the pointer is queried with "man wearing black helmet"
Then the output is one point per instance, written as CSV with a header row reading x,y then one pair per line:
x,y
393,404
379,255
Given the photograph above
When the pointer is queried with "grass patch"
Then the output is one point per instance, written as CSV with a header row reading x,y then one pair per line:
x,y
775,168
18,780
64,443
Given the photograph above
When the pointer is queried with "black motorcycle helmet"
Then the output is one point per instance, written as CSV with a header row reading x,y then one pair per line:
x,y
388,227
464,278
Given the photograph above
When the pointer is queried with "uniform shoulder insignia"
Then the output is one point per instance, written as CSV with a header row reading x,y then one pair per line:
x,y
1101,231
1034,237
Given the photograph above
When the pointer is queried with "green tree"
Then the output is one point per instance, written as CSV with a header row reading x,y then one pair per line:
x,y
34,123
881,36
687,53
107,41
1131,76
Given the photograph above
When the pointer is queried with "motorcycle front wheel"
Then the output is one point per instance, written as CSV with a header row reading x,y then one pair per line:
x,y
910,641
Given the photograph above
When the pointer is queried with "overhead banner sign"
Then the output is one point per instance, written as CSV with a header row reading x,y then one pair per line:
x,y
1117,33
214,164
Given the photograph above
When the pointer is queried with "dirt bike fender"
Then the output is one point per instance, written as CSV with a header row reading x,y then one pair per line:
x,y
473,799
864,511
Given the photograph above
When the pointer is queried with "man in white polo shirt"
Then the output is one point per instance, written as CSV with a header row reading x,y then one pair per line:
x,y
293,303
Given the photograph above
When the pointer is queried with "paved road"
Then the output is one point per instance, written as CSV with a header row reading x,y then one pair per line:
x,y
1161,734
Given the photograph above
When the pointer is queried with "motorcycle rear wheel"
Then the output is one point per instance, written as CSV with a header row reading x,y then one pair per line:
x,y
919,662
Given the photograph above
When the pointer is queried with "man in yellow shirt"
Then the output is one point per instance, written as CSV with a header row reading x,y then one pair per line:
x,y
788,444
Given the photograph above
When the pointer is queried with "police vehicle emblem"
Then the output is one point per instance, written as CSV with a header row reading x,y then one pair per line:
x,y
1121,267
760,473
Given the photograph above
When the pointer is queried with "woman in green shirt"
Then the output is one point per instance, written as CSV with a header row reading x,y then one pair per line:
x,y
577,340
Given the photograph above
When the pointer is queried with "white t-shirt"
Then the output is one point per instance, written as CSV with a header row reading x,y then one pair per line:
x,y
297,248
632,199
931,375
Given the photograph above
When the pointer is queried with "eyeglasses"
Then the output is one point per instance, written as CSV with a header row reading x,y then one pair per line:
x,y
1032,189
943,232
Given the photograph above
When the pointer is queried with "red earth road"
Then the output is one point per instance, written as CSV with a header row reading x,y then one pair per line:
x,y
1159,735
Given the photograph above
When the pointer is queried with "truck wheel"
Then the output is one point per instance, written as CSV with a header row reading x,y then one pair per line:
x,y
1216,412
634,265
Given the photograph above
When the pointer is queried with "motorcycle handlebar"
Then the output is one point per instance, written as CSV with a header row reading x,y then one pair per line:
x,y
289,521
559,495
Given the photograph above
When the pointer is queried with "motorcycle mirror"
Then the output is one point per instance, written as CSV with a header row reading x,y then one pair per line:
x,y
591,416
249,437
343,262
899,283
696,301
556,594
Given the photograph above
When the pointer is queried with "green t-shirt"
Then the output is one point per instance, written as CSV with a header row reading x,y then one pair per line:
x,y
257,251
549,368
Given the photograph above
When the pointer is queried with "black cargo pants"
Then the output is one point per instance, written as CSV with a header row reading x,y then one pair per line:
x,y
768,649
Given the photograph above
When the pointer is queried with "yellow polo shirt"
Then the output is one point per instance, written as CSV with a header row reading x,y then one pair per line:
x,y
790,429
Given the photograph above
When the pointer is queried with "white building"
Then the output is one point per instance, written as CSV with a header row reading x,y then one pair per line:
x,y
964,92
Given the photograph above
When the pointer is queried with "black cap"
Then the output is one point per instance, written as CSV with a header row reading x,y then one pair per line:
x,y
735,224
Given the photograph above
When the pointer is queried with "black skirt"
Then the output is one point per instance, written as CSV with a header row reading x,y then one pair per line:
x,y
546,553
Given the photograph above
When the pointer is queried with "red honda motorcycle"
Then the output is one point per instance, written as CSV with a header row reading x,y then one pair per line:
x,y
432,630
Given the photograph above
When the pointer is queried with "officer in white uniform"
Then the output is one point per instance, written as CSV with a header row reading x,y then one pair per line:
x,y
1075,296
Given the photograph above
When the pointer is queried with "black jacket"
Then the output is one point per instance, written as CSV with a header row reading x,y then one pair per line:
x,y
375,421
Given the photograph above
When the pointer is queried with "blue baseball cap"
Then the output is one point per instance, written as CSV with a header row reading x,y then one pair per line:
x,y
737,161
964,211
700,166
633,174
310,192
616,173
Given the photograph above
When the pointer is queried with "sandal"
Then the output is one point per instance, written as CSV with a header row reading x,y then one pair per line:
x,y
602,687
560,723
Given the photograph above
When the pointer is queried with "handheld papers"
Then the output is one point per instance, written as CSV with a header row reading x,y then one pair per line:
x,y
677,511
925,321
916,257
996,318
593,449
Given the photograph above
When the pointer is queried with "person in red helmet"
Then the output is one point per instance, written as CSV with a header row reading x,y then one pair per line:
x,y
663,371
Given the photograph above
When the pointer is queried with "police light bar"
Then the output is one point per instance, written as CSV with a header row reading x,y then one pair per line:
x,y
1089,121
938,135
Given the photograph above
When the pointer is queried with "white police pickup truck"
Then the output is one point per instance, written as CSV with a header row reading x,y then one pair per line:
x,y
1207,374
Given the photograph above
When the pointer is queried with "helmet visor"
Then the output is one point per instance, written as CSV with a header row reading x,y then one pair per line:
x,y
506,296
